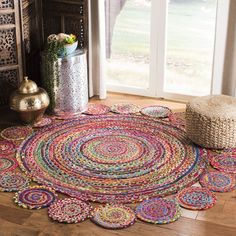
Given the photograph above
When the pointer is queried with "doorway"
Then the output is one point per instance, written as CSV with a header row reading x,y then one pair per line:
x,y
165,48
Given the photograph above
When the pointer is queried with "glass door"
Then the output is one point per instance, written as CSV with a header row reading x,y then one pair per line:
x,y
128,31
190,47
165,48
195,36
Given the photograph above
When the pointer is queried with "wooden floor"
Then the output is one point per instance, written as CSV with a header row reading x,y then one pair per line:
x,y
218,221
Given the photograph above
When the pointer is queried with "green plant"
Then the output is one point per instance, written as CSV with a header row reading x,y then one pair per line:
x,y
55,46
70,39
50,70
52,48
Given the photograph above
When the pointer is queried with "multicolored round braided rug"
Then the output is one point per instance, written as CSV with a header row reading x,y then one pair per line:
x,y
224,162
16,133
196,198
43,122
125,108
158,211
113,216
112,158
13,182
35,197
97,109
7,164
69,210
218,181
6,147
214,153
156,111
178,118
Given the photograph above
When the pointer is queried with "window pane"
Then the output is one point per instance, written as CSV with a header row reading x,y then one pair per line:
x,y
127,42
190,46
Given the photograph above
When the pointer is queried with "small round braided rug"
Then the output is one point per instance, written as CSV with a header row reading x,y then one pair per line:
x,y
196,198
13,182
69,210
35,197
112,158
97,109
224,162
156,111
218,181
229,151
158,211
43,122
7,164
178,119
6,147
113,216
125,108
16,133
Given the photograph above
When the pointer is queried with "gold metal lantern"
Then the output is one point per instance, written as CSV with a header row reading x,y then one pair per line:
x,y
29,101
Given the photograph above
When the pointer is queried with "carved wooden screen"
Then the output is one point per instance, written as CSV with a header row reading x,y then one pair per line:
x,y
32,34
66,16
10,48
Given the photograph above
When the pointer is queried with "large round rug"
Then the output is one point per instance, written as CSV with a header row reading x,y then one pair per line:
x,y
112,158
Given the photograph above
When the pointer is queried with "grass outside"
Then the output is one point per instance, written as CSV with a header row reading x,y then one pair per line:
x,y
189,46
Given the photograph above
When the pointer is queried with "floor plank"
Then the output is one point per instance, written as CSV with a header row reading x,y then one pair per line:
x,y
190,227
221,213
11,229
14,215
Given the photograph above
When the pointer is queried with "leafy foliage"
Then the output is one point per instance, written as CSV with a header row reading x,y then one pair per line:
x,y
54,47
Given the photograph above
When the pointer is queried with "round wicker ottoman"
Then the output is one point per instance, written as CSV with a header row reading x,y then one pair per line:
x,y
211,121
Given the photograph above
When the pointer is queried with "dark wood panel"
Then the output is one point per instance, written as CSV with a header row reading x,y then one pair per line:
x,y
32,37
25,25
9,80
8,46
66,17
6,4
11,65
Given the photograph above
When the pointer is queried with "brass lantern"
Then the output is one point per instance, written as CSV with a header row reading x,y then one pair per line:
x,y
29,101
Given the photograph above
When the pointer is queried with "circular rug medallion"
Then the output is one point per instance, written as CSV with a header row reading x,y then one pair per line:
x,y
113,216
16,133
13,182
6,147
35,197
125,108
196,198
97,109
156,111
178,119
218,182
43,122
229,151
112,158
158,211
224,162
69,210
7,164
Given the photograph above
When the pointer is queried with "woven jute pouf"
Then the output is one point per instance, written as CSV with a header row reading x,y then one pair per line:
x,y
211,121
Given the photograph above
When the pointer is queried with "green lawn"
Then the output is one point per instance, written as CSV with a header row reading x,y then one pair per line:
x,y
189,52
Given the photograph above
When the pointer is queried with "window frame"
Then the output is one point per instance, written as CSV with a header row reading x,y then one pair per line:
x,y
158,41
